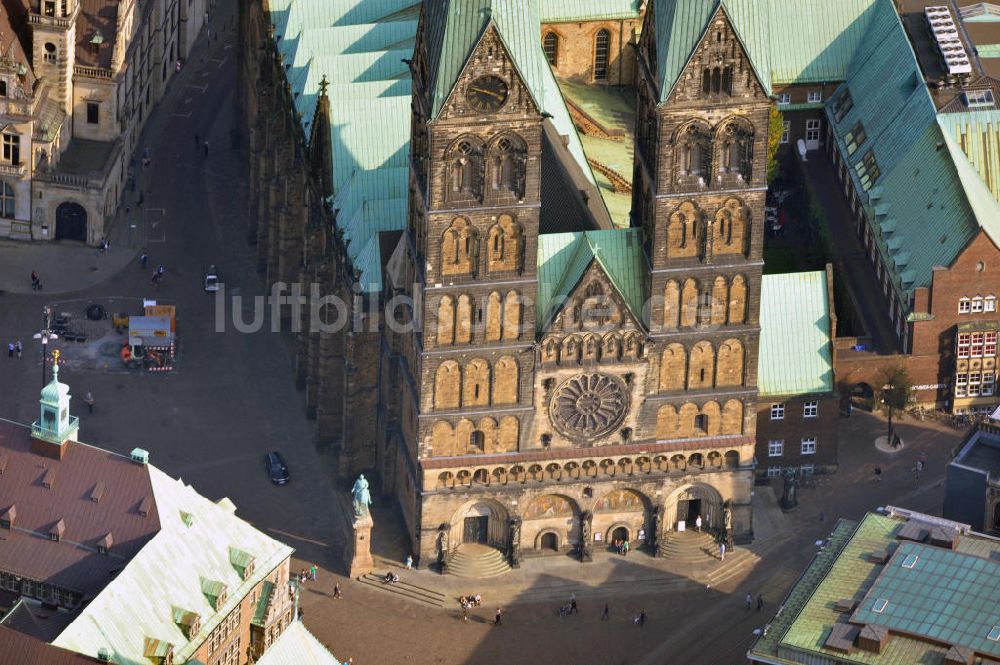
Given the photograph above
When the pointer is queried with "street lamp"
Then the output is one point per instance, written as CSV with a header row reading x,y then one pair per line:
x,y
45,335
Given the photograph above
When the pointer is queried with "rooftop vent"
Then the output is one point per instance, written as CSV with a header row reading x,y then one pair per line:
x,y
845,605
873,638
842,637
915,531
104,655
105,543
49,478
878,556
959,656
97,493
187,518
140,456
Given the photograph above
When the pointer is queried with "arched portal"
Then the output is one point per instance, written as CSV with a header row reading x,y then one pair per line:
x,y
548,541
481,522
71,222
623,509
550,514
690,501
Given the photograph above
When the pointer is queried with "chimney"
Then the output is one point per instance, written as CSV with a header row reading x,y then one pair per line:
x,y
49,449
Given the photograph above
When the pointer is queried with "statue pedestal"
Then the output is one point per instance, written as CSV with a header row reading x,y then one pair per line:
x,y
359,557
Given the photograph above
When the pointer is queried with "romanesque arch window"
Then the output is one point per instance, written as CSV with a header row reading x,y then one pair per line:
x,y
512,311
476,383
671,305
442,439
632,346
463,322
673,366
446,321
505,380
720,301
700,366
732,417
730,363
732,223
488,427
477,443
735,141
494,316
611,348
713,418
738,300
550,46
693,154
591,347
602,53
689,303
465,169
571,348
508,156
447,385
550,350
686,420
507,434
683,231
458,248
504,245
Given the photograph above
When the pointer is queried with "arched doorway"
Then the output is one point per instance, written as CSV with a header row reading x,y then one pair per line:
x,y
482,522
71,222
552,515
618,533
549,541
623,514
690,502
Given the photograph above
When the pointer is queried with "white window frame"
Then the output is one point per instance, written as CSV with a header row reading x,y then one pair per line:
x,y
813,129
784,98
815,96
964,305
989,344
977,342
990,304
808,445
962,347
810,409
961,381
807,469
778,411
786,131
774,472
977,305
975,384
775,447
989,384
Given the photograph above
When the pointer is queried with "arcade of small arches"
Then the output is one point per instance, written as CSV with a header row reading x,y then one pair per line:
x,y
701,367
724,153
559,522
691,233
590,347
476,383
692,421
619,467
460,320
593,308
723,301
460,251
481,170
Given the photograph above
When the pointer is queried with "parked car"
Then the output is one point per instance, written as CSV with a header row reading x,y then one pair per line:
x,y
277,470
212,279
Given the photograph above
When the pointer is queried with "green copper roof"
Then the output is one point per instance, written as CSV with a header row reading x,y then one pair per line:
x,y
933,603
980,12
260,612
566,11
934,592
977,134
563,258
297,646
795,357
787,41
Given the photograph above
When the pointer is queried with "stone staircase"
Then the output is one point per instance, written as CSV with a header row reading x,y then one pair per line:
x,y
477,561
406,590
689,547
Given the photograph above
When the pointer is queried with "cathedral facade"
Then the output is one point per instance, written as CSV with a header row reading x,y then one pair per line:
x,y
555,384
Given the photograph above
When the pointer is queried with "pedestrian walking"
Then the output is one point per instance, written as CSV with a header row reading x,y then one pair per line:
x,y
465,612
143,259
642,618
749,600
606,614
19,348
625,548
878,474
572,605
88,399
36,284
205,146
409,561
722,551
177,66
760,602
312,572
336,591
10,349
197,141
697,524
496,621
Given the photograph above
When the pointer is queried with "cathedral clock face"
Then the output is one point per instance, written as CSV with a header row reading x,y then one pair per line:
x,y
487,94
588,405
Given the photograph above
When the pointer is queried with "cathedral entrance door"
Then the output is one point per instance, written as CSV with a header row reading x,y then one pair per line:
x,y
475,530
693,511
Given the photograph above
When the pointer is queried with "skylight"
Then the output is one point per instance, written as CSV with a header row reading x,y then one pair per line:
x,y
880,605
977,99
994,634
910,561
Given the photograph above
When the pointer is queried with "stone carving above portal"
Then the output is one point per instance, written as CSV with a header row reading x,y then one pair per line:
x,y
588,405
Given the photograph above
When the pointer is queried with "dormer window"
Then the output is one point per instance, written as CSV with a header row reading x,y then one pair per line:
x,y
842,106
855,138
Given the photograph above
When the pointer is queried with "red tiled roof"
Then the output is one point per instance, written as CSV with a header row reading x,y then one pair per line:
x,y
15,36
19,649
637,449
97,16
73,561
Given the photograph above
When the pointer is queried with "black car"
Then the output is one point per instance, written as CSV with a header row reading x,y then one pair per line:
x,y
276,468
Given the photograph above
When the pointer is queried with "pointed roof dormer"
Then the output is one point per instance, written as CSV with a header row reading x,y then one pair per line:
x,y
55,426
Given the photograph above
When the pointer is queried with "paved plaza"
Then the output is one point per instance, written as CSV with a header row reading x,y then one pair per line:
x,y
232,397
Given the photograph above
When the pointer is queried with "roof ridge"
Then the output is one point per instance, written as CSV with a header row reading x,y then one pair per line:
x,y
984,205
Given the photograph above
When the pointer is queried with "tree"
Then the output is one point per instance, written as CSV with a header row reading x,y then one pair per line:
x,y
894,393
775,128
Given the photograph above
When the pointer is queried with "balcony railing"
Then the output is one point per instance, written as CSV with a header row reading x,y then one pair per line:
x,y
93,72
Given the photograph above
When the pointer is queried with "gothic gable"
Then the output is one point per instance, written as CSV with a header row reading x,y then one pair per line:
x,y
490,84
594,304
718,69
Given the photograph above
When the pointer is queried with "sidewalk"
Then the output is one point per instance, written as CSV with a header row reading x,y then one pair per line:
x,y
61,267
